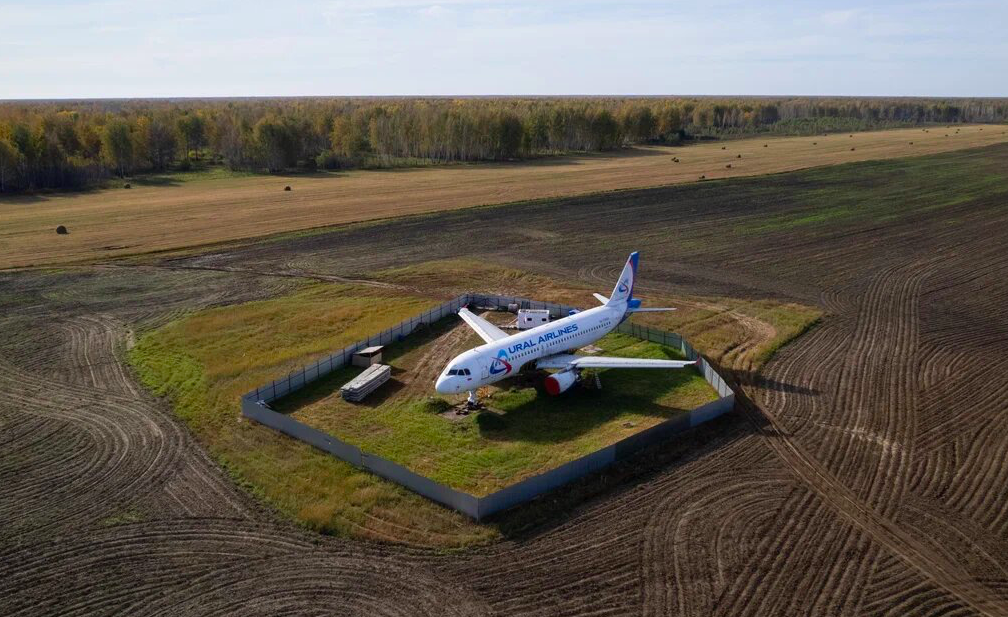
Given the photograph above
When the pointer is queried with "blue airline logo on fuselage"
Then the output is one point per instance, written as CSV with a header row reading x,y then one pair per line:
x,y
544,338
500,364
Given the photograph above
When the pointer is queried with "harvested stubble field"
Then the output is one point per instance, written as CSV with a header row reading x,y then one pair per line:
x,y
864,474
184,211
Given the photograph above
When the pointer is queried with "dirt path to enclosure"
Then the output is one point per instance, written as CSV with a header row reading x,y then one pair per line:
x,y
155,218
865,474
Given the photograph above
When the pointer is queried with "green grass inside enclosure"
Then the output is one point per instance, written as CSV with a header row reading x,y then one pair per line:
x,y
524,432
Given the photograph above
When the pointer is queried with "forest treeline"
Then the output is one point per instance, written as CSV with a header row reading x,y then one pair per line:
x,y
77,144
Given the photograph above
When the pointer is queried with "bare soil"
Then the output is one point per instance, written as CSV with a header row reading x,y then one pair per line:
x,y
864,474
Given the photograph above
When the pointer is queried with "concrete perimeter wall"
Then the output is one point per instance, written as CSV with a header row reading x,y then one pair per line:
x,y
255,406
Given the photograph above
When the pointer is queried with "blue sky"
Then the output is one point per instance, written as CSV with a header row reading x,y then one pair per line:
x,y
137,48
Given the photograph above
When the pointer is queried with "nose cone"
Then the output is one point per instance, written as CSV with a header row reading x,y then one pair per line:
x,y
442,386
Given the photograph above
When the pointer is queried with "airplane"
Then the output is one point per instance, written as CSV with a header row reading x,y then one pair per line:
x,y
549,346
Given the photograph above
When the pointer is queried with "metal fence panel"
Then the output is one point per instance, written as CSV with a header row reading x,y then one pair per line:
x,y
289,426
634,443
463,502
531,488
711,410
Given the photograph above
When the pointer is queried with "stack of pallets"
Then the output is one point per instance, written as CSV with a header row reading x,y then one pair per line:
x,y
366,383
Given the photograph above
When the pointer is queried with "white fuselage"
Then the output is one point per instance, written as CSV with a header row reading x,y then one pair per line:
x,y
503,358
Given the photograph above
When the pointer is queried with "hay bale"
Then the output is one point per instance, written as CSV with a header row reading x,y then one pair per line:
x,y
764,145
911,143
728,166
127,186
287,188
739,156
815,143
852,149
61,230
722,147
703,177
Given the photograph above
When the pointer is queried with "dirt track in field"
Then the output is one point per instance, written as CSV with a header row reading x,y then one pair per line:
x,y
865,473
145,219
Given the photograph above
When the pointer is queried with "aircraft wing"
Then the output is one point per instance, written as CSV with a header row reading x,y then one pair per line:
x,y
568,361
487,331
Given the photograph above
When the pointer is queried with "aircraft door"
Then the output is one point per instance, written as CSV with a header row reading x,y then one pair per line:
x,y
484,368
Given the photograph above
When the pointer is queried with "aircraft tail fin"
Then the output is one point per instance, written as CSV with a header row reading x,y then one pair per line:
x,y
623,291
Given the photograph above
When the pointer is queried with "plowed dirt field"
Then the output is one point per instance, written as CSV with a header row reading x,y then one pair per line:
x,y
864,473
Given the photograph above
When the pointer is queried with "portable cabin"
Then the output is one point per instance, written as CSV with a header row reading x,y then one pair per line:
x,y
530,318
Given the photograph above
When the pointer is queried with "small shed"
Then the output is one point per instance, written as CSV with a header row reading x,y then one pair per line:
x,y
367,356
530,318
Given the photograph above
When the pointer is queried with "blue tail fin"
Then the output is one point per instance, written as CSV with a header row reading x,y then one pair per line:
x,y
623,291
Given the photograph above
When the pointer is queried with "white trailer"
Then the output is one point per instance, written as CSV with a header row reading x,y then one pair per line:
x,y
532,318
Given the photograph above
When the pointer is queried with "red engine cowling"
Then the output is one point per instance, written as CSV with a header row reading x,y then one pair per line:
x,y
558,383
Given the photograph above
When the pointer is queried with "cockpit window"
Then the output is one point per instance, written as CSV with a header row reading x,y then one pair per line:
x,y
458,371
465,371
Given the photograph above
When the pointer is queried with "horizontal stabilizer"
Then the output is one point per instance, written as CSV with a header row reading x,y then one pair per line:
x,y
567,361
601,298
487,331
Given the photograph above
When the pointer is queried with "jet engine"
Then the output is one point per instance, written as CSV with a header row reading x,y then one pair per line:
x,y
561,382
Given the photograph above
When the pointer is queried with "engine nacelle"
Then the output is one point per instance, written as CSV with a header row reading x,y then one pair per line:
x,y
558,383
